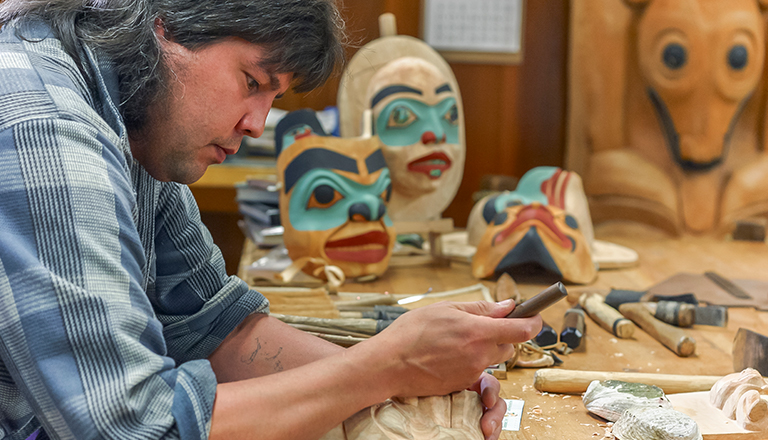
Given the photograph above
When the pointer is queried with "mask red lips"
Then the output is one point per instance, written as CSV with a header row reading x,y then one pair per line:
x,y
534,213
433,165
370,247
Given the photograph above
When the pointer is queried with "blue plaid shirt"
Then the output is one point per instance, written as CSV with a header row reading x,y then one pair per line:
x,y
112,293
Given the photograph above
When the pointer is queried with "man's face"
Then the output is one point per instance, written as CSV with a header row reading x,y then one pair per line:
x,y
216,95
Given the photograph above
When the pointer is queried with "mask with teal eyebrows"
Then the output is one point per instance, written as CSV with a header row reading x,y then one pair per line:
x,y
417,116
333,202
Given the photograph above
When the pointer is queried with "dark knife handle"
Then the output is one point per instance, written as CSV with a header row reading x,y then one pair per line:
x,y
541,301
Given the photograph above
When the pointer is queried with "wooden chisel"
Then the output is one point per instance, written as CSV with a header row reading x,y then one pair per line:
x,y
573,327
547,336
606,316
672,337
540,301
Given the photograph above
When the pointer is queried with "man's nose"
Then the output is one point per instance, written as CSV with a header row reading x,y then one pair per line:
x,y
254,119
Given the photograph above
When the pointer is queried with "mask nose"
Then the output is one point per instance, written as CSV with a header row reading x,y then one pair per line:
x,y
364,212
429,137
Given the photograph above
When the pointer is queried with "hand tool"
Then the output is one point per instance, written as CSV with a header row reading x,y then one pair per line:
x,y
672,337
540,301
702,315
573,327
606,316
376,312
363,326
672,312
413,298
750,350
547,336
506,288
553,380
727,285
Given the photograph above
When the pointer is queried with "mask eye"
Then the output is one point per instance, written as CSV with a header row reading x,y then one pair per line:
x,y
500,218
674,56
387,193
452,115
401,117
323,197
738,57
512,203
571,222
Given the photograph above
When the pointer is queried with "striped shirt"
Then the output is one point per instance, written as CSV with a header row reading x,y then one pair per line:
x,y
112,293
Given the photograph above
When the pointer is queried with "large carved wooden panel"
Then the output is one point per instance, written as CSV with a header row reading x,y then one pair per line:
x,y
667,105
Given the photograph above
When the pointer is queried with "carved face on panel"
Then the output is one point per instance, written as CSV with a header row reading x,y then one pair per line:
x,y
415,114
702,61
544,221
333,201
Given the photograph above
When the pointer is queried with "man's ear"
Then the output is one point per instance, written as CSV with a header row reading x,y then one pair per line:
x,y
161,31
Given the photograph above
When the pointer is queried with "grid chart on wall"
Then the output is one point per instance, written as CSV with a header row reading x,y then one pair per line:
x,y
493,26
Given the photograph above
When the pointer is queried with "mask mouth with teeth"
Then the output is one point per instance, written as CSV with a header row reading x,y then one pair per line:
x,y
545,222
333,198
417,116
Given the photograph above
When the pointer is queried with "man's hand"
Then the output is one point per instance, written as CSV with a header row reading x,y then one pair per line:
x,y
444,347
494,408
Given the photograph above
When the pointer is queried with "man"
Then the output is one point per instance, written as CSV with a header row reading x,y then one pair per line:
x,y
116,317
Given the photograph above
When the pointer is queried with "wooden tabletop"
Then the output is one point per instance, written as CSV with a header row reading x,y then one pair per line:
x,y
548,416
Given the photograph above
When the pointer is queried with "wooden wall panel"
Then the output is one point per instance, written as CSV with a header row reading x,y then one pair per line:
x,y
515,114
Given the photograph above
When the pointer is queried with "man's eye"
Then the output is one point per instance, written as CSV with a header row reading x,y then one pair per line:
x,y
252,83
400,117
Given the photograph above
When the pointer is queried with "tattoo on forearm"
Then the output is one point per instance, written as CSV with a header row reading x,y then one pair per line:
x,y
278,366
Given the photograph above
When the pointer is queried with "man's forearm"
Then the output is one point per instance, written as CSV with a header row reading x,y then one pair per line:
x,y
303,401
263,345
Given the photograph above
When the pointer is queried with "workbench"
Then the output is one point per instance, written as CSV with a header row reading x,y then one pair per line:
x,y
556,416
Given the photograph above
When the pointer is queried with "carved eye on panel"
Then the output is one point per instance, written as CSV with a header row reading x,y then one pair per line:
x,y
674,56
401,117
452,115
738,57
512,203
324,196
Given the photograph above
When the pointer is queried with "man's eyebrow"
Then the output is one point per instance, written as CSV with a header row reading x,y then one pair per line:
x,y
274,81
397,88
444,88
274,84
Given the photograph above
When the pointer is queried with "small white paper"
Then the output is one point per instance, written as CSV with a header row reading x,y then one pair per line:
x,y
514,413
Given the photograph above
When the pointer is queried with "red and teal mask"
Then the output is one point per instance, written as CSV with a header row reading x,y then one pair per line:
x,y
333,200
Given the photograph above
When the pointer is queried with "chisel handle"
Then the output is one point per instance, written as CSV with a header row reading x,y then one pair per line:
x,y
672,337
605,315
573,327
539,302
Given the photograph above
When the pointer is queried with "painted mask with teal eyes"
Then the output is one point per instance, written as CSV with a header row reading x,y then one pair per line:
x,y
323,200
333,202
406,121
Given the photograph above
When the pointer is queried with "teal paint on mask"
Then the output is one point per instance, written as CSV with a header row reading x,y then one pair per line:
x,y
322,219
528,189
403,121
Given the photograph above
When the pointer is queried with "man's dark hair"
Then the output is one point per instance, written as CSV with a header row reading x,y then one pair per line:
x,y
304,37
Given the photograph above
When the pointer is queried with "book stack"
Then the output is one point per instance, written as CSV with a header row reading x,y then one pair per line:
x,y
257,201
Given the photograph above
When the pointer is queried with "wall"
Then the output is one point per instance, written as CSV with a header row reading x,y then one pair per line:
x,y
515,114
